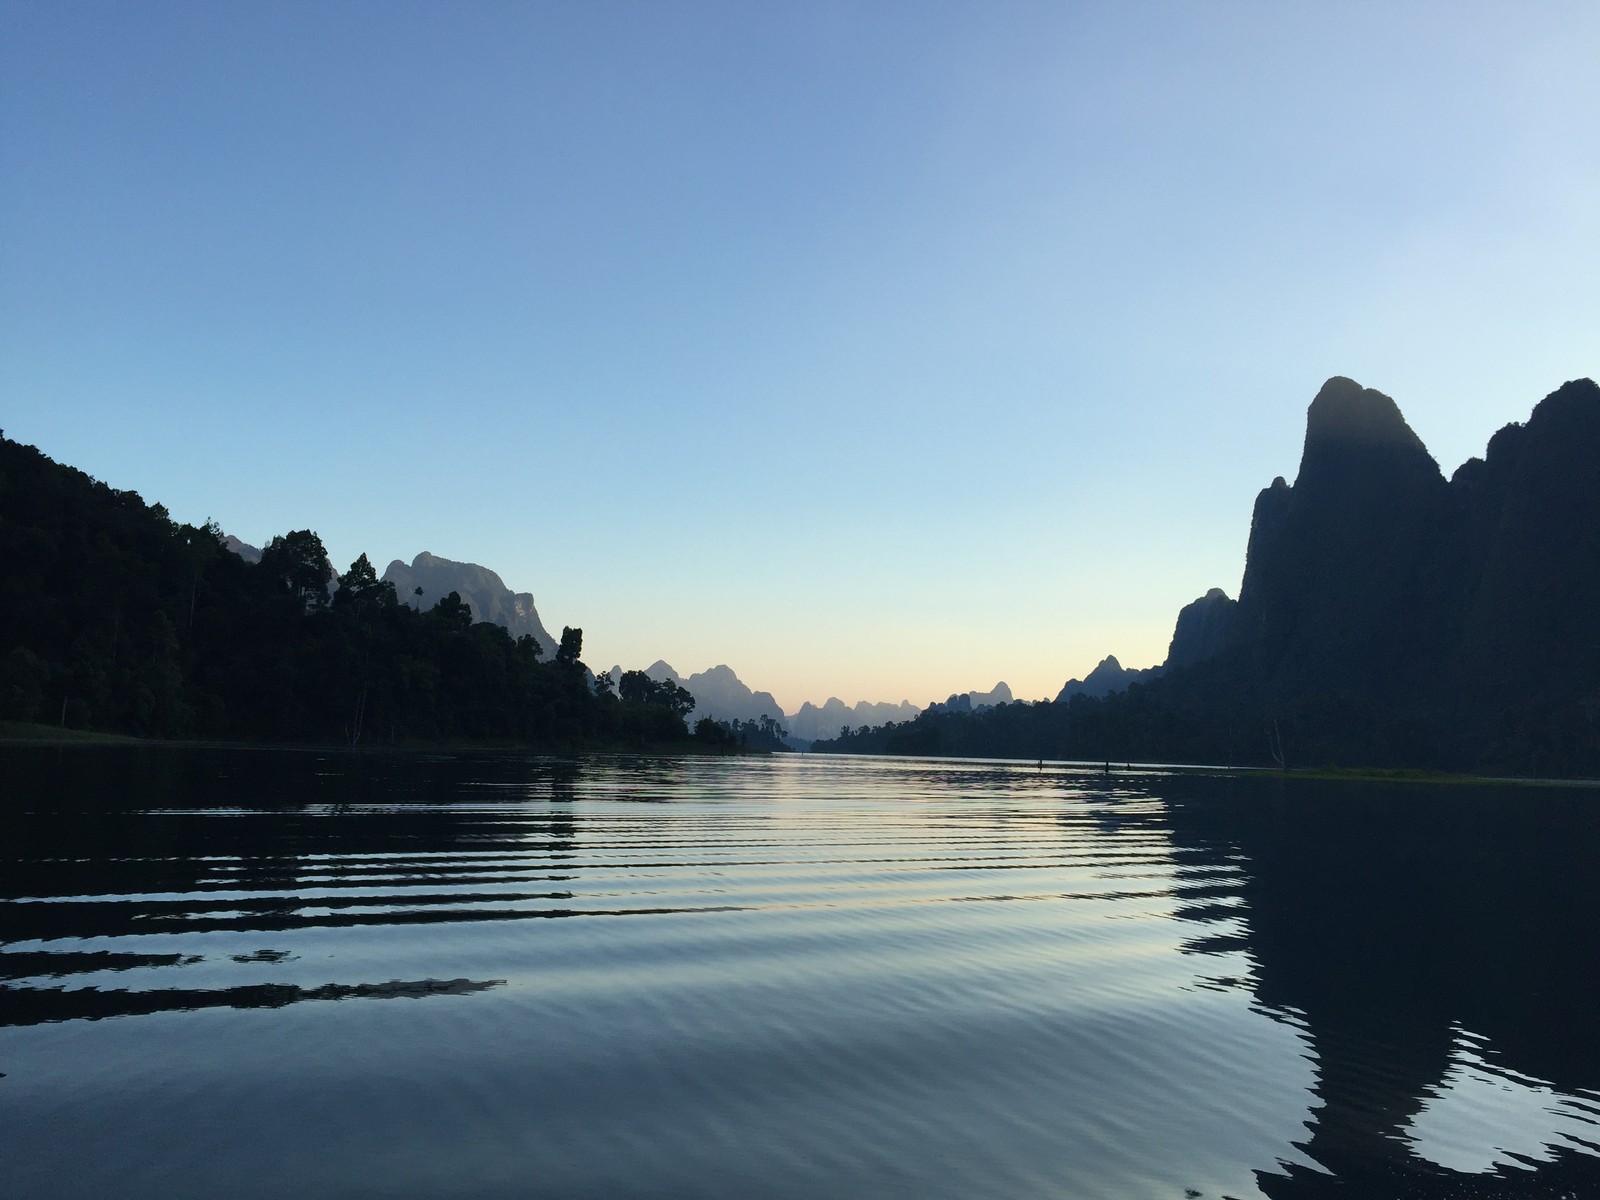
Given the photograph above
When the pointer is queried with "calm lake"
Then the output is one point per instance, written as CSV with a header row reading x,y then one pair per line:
x,y
245,973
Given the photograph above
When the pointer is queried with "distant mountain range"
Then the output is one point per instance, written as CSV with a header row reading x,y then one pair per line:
x,y
813,721
720,694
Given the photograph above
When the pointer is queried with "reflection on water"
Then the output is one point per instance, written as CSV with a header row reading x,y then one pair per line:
x,y
837,976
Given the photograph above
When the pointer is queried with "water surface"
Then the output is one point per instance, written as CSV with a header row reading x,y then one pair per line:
x,y
269,973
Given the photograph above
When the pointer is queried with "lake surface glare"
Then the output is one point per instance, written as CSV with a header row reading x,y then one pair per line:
x,y
250,973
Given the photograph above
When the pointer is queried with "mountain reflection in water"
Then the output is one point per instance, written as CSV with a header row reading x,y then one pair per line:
x,y
842,977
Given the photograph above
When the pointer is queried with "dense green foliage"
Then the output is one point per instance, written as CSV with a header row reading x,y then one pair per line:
x,y
115,617
763,733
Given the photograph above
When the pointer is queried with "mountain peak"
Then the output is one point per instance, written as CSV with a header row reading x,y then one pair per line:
x,y
1352,428
1347,412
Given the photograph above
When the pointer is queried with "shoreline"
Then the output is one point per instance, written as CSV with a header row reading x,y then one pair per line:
x,y
21,733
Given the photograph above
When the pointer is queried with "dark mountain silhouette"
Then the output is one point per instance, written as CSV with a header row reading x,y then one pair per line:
x,y
1108,676
975,701
1204,630
484,592
1386,617
1464,609
1349,570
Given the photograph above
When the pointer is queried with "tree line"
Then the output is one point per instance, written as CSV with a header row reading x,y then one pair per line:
x,y
114,617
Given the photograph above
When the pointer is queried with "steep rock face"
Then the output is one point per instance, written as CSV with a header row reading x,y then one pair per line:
x,y
720,694
1423,619
1108,676
482,589
1343,568
1531,514
1205,629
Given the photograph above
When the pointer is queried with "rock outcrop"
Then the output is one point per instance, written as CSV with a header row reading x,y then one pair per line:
x,y
483,590
243,549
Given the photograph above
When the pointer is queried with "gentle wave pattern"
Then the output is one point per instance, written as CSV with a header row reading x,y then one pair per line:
x,y
254,973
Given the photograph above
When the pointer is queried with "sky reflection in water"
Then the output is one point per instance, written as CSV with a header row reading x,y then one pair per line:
x,y
836,977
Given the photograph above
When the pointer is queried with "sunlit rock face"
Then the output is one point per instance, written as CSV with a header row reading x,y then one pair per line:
x,y
482,589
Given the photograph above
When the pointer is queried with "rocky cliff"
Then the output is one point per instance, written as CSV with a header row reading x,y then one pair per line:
x,y
483,590
1454,620
720,694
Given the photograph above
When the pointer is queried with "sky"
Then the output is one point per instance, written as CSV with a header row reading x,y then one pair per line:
x,y
877,350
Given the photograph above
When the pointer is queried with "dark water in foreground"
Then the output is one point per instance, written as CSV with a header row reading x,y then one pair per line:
x,y
266,974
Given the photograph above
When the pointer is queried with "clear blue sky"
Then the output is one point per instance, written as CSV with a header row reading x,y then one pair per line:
x,y
877,350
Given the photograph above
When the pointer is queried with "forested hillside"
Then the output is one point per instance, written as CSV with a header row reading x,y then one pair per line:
x,y
114,617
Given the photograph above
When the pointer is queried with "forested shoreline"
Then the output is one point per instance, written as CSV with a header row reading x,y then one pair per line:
x,y
119,619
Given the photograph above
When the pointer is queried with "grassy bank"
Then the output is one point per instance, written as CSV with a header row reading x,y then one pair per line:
x,y
1415,775
27,731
